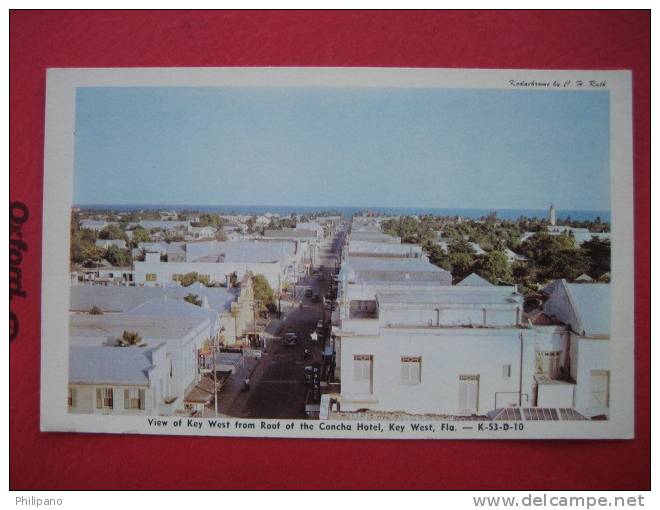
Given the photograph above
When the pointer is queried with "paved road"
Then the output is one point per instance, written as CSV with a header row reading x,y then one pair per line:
x,y
276,382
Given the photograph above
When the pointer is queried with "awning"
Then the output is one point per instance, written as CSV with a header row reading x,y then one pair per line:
x,y
202,393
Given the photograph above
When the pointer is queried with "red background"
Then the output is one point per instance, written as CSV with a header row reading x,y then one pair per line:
x,y
543,40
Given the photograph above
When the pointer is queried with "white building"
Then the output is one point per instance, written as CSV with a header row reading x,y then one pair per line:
x,y
381,249
96,225
106,243
468,350
552,215
183,336
311,226
165,225
580,235
373,236
232,307
585,309
448,351
117,380
202,232
219,260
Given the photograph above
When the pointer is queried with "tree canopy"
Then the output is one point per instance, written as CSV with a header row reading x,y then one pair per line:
x,y
262,291
189,278
128,339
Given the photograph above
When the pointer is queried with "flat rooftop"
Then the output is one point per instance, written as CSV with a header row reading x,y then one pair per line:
x,y
451,295
388,264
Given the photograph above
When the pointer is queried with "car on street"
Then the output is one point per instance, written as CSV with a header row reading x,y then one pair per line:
x,y
290,339
308,293
316,298
307,374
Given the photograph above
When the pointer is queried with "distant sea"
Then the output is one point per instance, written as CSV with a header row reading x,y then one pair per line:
x,y
505,214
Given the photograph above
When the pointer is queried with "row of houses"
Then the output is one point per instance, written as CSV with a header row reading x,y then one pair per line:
x,y
280,261
150,350
281,255
408,341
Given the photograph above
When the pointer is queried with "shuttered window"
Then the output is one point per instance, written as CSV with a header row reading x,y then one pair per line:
x,y
548,362
411,369
468,394
104,398
363,373
73,397
133,398
600,388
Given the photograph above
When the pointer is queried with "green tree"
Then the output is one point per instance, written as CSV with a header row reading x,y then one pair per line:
x,y
128,339
189,278
262,292
437,256
494,267
95,310
117,257
209,219
250,222
193,299
140,235
566,263
112,232
92,254
172,236
598,251
461,264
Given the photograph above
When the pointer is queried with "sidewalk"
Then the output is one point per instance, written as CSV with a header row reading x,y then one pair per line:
x,y
233,389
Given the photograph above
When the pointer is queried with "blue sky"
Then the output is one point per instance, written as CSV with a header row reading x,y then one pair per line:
x,y
440,148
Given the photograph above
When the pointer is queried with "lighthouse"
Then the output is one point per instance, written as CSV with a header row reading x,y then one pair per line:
x,y
553,215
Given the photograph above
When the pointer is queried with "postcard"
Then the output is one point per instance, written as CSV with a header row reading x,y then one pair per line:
x,y
338,253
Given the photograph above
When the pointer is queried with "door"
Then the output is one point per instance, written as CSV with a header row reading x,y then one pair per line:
x,y
468,394
363,373
600,388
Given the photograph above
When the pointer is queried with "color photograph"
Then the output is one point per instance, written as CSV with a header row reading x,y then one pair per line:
x,y
324,253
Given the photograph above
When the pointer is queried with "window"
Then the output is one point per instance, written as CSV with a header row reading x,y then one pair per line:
x,y
468,394
73,398
363,373
411,369
506,371
600,388
150,277
133,398
104,398
548,362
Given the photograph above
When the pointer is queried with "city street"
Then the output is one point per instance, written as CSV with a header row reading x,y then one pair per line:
x,y
277,389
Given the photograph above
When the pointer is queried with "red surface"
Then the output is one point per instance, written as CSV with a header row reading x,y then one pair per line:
x,y
556,40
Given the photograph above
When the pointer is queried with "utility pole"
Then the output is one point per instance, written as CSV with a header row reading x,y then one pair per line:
x,y
215,379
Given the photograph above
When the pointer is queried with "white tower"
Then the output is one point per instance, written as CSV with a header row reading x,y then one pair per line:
x,y
553,215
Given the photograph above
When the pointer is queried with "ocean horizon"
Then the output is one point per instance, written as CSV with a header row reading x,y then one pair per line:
x,y
348,211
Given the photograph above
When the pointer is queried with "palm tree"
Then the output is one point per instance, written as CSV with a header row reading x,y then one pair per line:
x,y
128,339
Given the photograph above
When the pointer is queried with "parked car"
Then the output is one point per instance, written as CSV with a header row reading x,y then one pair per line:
x,y
308,292
316,298
290,339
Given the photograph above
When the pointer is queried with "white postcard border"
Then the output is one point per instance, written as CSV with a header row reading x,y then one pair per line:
x,y
57,201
